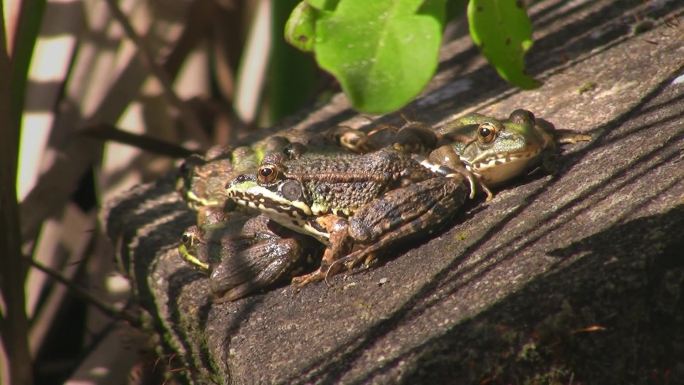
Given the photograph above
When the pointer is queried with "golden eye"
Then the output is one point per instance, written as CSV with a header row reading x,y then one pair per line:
x,y
486,133
267,173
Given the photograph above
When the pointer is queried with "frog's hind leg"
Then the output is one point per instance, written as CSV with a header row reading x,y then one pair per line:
x,y
410,211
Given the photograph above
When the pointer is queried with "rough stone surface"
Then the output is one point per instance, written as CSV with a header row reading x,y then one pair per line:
x,y
573,278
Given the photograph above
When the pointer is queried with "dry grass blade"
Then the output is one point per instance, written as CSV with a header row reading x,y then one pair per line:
x,y
108,132
77,290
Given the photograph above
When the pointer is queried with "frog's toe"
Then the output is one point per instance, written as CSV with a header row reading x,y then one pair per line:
x,y
306,279
366,259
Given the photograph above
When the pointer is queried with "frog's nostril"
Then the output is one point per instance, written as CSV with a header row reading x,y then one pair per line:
x,y
237,180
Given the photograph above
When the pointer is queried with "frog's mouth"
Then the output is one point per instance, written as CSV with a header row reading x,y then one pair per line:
x,y
249,193
294,214
498,168
493,160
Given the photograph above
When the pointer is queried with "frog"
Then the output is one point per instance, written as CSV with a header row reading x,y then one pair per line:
x,y
334,197
202,178
244,254
497,151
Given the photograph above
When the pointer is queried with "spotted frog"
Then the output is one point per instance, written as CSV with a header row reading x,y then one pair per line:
x,y
345,200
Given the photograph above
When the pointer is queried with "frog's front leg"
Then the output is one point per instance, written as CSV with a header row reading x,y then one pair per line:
x,y
404,213
339,245
446,158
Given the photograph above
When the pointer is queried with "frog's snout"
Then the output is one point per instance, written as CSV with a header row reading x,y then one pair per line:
x,y
240,179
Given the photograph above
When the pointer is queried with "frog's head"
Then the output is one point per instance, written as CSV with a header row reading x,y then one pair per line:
x,y
270,191
499,150
190,249
200,180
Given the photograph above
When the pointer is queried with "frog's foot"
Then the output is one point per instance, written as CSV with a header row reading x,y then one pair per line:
x,y
320,274
306,279
352,139
487,191
369,259
472,182
367,255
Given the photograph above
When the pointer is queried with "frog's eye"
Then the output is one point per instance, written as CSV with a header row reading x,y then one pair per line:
x,y
521,116
186,239
486,133
267,173
294,150
190,163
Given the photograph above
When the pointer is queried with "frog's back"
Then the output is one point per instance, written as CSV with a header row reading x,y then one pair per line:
x,y
344,182
385,164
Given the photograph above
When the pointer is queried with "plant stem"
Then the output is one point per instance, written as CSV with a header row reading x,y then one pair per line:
x,y
14,323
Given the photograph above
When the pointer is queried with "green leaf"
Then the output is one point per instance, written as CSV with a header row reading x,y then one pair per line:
x,y
382,52
300,28
503,32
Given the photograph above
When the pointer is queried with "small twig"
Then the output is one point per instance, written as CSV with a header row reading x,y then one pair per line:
x,y
189,118
109,132
82,293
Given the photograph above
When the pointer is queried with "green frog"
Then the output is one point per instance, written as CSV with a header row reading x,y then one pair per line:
x,y
345,200
202,178
497,151
244,254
